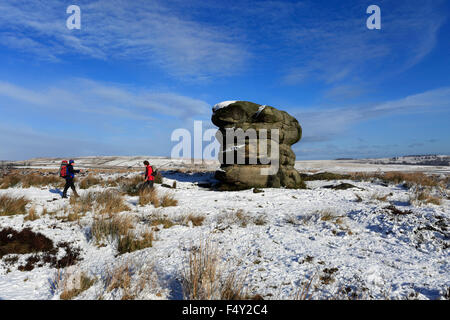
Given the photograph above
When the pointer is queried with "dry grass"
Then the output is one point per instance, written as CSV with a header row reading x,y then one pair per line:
x,y
9,181
202,280
241,218
107,201
111,228
129,243
157,219
379,197
149,195
424,196
130,186
200,275
84,203
329,215
168,200
32,214
119,228
324,176
304,292
196,220
90,181
73,216
409,178
111,201
396,211
31,179
120,278
72,287
10,205
358,198
158,178
132,280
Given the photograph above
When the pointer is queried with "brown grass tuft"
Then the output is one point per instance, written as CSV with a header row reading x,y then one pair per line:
x,y
90,181
303,293
197,220
203,279
82,283
158,178
158,219
9,181
149,195
111,228
167,200
110,201
129,243
107,201
424,196
120,278
130,186
409,178
32,214
31,179
10,205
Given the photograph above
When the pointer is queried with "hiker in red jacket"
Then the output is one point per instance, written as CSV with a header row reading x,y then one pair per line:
x,y
149,177
69,176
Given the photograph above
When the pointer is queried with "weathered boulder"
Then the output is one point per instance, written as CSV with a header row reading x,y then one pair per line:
x,y
253,139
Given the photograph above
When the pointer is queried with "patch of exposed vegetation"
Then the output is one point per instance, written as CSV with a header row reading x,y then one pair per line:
x,y
324,176
11,205
396,211
342,186
44,252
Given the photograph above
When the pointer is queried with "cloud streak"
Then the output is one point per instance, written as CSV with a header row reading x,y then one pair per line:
x,y
146,31
92,97
339,48
324,124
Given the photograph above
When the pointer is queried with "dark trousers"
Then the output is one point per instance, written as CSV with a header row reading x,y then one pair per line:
x,y
69,184
147,184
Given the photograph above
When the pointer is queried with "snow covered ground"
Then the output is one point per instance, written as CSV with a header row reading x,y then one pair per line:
x,y
359,165
344,240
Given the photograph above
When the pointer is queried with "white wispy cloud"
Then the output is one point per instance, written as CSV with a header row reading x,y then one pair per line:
x,y
83,116
337,48
146,31
93,97
20,142
323,124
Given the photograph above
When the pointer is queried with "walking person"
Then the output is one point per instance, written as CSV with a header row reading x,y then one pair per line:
x,y
148,176
69,176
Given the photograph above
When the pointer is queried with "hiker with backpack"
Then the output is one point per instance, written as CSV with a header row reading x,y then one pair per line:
x,y
68,172
149,175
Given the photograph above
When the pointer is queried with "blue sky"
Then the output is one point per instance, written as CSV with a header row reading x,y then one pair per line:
x,y
137,70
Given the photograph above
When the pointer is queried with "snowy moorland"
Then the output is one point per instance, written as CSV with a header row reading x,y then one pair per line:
x,y
358,237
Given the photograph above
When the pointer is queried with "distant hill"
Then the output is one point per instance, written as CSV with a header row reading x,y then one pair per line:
x,y
423,160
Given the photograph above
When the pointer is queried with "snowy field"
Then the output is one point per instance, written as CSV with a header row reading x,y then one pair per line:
x,y
335,244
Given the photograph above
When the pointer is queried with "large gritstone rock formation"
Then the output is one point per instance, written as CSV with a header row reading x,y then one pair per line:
x,y
256,145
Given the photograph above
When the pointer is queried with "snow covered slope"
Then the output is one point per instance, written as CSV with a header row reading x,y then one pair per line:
x,y
349,242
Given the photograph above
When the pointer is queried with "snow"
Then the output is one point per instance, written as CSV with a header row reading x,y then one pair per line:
x,y
261,108
222,104
377,254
